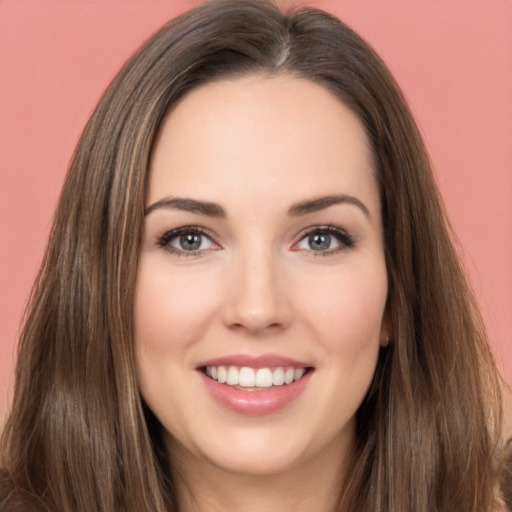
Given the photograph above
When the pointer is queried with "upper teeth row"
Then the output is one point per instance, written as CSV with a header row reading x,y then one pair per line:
x,y
248,377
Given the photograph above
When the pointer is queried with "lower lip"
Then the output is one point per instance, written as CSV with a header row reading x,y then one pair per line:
x,y
255,403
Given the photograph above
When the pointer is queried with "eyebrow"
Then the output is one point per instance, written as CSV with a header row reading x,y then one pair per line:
x,y
321,203
215,210
188,205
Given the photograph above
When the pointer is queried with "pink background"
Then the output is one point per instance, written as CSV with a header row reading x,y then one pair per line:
x,y
453,60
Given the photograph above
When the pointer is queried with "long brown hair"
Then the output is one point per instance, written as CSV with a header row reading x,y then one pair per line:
x,y
79,437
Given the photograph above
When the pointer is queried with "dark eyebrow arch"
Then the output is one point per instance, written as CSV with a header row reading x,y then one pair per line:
x,y
188,205
320,203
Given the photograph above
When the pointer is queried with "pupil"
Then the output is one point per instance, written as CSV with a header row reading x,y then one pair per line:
x,y
319,241
190,242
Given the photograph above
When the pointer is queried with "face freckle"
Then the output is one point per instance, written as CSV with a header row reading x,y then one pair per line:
x,y
262,248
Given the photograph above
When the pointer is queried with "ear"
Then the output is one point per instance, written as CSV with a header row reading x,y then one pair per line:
x,y
386,330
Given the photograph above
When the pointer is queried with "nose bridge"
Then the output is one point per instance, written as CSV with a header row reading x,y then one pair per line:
x,y
256,297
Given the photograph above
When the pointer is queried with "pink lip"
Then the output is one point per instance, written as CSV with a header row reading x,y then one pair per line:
x,y
254,403
261,361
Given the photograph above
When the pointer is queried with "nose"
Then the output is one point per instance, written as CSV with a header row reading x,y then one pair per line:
x,y
257,299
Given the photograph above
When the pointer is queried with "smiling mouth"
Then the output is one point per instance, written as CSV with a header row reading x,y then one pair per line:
x,y
255,379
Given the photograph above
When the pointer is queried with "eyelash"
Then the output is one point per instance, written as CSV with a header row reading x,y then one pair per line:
x,y
346,240
167,237
342,236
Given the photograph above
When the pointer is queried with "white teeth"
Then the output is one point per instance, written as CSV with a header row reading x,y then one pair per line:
x,y
222,374
247,377
278,377
299,372
250,378
263,378
232,379
288,375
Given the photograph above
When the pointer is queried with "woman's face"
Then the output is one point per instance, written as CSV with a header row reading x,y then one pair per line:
x,y
262,263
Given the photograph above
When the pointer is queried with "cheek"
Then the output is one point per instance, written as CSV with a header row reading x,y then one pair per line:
x,y
172,310
347,307
171,306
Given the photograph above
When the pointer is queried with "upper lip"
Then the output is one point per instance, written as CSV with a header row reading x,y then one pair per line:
x,y
251,361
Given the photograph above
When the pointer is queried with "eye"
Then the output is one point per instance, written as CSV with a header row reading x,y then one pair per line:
x,y
187,241
317,242
325,240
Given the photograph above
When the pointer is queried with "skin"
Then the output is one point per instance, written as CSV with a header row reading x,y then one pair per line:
x,y
256,146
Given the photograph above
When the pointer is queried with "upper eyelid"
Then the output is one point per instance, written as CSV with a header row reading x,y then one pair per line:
x,y
163,241
174,232
164,238
344,237
323,227
184,229
331,229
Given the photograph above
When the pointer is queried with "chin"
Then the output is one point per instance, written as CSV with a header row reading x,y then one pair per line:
x,y
268,449
256,462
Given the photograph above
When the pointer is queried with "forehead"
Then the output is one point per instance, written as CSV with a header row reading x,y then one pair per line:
x,y
260,134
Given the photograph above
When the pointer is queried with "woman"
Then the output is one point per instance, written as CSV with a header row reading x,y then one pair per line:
x,y
250,299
